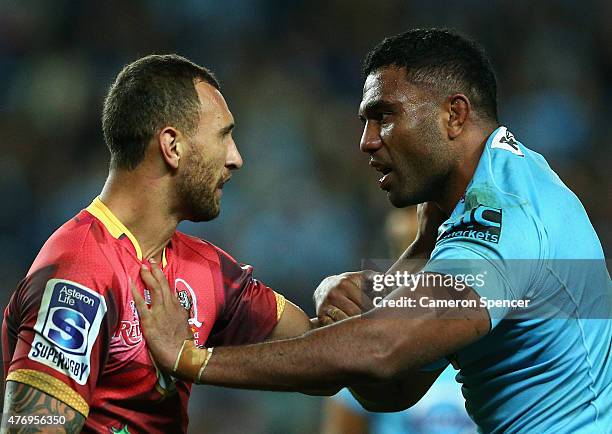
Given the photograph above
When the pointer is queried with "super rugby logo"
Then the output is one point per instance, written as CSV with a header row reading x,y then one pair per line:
x,y
188,300
67,327
481,223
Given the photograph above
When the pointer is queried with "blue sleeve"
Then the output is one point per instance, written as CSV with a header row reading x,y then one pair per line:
x,y
493,251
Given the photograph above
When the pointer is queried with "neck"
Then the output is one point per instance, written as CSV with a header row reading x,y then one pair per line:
x,y
471,149
141,204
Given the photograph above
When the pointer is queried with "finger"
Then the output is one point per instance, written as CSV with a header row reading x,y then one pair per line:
x,y
159,276
141,305
324,320
345,305
355,288
169,296
335,314
152,285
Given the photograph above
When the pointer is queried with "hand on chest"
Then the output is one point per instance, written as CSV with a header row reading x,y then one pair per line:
x,y
195,292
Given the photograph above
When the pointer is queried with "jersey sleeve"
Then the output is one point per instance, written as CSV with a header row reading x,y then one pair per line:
x,y
250,309
58,329
494,251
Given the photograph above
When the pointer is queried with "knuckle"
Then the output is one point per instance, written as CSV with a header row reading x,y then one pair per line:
x,y
332,297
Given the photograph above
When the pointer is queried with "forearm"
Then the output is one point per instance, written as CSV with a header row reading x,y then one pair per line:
x,y
381,346
354,351
384,344
22,400
321,359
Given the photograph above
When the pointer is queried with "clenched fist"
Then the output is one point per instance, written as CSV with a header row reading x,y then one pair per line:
x,y
343,296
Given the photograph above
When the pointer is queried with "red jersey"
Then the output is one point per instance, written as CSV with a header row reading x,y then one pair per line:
x,y
72,331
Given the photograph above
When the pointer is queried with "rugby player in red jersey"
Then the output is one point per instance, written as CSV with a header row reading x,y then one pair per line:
x,y
73,352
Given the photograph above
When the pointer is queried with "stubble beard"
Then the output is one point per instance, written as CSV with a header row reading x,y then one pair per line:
x,y
426,179
197,192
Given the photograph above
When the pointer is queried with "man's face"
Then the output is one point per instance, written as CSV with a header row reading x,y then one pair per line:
x,y
210,156
404,135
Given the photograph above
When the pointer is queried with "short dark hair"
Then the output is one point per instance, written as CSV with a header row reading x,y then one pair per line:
x,y
148,94
444,59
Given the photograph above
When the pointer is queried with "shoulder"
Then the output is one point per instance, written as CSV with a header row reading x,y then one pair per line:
x,y
70,271
502,206
537,207
69,240
199,248
75,251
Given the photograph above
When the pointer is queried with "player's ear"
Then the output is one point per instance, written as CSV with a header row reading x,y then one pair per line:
x,y
458,108
170,146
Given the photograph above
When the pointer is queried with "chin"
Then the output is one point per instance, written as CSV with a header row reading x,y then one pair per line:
x,y
206,214
211,214
400,200
203,217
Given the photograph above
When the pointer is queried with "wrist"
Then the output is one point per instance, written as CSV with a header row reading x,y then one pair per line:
x,y
191,361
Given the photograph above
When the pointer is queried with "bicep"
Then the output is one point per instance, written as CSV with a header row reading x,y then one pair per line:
x,y
293,322
23,400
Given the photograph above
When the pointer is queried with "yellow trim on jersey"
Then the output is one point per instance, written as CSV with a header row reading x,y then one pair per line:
x,y
280,305
164,260
52,387
112,223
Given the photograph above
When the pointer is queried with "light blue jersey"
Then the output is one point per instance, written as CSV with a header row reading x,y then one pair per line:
x,y
545,367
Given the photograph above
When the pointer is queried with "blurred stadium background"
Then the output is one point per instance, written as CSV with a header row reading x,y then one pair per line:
x,y
305,204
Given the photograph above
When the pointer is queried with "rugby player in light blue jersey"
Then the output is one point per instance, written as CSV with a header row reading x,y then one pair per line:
x,y
515,272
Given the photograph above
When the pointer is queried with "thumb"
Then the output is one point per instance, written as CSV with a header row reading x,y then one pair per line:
x,y
367,279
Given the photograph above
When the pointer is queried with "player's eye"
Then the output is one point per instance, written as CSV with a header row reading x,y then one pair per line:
x,y
383,117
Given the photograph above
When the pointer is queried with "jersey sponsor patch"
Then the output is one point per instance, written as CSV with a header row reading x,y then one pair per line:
x,y
481,223
504,139
67,327
187,298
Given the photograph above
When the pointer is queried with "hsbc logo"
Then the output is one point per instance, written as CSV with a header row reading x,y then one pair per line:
x,y
481,223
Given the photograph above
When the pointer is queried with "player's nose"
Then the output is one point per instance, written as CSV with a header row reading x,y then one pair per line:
x,y
370,138
234,159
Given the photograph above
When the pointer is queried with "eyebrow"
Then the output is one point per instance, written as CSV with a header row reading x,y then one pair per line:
x,y
376,106
227,129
